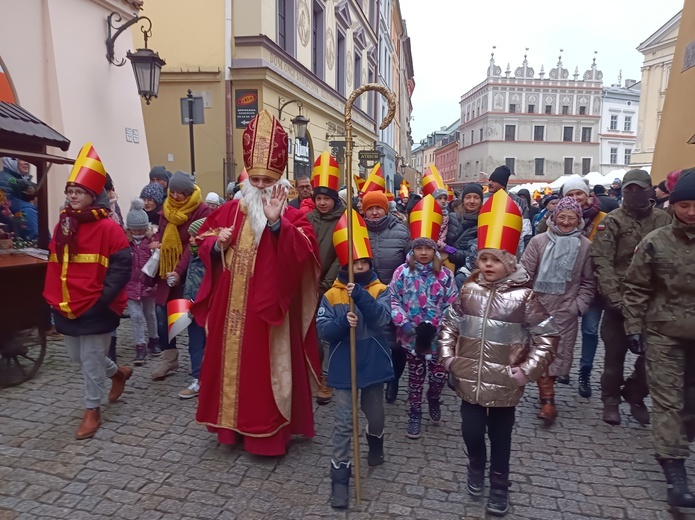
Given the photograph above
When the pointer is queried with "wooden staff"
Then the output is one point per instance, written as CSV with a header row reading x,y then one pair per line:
x,y
391,98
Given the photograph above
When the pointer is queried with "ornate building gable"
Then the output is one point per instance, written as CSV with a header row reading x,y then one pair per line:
x,y
665,36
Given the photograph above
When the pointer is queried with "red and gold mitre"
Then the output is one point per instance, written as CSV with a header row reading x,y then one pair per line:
x,y
264,143
499,223
359,182
326,172
361,247
450,193
375,181
244,176
178,317
426,219
432,181
404,190
88,170
390,197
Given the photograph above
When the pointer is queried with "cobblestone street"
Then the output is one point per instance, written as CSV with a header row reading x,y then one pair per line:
x,y
150,460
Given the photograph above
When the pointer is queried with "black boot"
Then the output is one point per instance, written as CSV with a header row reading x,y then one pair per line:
x,y
392,391
585,382
375,457
340,485
476,477
112,349
678,493
498,502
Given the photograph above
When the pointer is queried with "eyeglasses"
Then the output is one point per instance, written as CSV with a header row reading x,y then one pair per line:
x,y
75,191
568,220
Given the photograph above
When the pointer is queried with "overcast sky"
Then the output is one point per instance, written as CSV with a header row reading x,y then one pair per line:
x,y
451,41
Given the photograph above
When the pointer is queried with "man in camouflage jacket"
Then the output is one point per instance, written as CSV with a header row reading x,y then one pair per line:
x,y
659,302
612,249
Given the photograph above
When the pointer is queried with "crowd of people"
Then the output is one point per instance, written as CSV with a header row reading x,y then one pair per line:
x,y
486,293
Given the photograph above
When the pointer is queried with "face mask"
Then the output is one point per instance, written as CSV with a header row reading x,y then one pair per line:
x,y
636,200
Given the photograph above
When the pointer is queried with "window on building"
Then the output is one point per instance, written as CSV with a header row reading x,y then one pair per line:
x,y
586,134
565,110
569,166
370,95
512,108
460,168
628,124
614,122
539,133
463,140
510,162
510,132
539,166
532,109
340,64
317,41
472,137
481,134
548,109
614,156
586,165
582,111
285,25
628,156
567,132
358,76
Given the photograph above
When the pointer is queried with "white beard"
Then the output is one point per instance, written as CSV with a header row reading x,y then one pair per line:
x,y
252,198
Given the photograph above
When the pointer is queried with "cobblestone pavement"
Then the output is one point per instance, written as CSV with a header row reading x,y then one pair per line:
x,y
150,460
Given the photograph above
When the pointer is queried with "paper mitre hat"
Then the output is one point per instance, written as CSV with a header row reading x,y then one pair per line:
x,y
375,181
264,144
244,176
359,182
426,222
88,170
361,247
450,192
326,172
390,197
432,182
499,223
178,317
404,190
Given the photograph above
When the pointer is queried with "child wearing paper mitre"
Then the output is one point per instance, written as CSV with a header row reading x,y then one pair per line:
x,y
371,316
494,339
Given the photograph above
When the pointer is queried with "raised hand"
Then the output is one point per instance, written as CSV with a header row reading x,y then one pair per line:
x,y
273,207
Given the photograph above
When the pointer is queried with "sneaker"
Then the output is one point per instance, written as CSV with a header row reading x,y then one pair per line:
x,y
435,411
563,380
153,347
475,482
140,355
191,391
414,425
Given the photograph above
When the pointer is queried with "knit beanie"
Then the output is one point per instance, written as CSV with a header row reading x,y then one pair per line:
x,y
193,231
662,187
160,172
109,183
599,189
569,204
684,188
501,175
137,219
547,200
375,198
328,192
671,180
472,188
575,184
153,191
439,192
423,242
507,259
181,182
230,188
212,198
343,196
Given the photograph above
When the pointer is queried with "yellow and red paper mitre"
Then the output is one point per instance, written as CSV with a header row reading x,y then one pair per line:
x,y
244,176
450,193
264,144
404,190
390,197
326,172
361,247
375,181
88,170
359,182
426,219
178,317
499,223
432,181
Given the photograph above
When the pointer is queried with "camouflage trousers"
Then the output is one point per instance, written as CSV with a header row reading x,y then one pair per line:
x,y
671,378
613,383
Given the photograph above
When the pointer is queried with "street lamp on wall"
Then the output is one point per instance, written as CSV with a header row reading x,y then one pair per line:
x,y
147,65
300,122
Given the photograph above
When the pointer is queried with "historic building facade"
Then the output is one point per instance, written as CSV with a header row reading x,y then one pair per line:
x,y
541,125
658,51
619,126
446,155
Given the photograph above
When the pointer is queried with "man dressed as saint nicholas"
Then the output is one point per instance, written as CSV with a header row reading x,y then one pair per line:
x,y
257,302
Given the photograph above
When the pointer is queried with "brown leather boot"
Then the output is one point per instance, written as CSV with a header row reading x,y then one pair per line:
x,y
118,383
611,414
89,425
168,363
325,393
546,393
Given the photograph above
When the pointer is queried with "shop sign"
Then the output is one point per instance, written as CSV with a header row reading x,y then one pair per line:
x,y
302,154
246,104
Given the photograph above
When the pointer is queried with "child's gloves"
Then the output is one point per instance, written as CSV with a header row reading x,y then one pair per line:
x,y
519,376
408,329
449,250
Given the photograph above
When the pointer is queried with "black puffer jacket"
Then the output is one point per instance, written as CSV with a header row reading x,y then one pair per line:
x,y
390,241
462,235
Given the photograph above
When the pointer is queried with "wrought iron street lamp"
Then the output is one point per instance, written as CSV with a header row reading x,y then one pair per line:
x,y
300,122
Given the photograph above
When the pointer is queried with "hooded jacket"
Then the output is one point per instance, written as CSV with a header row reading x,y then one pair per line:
x,y
390,240
463,236
324,225
490,328
373,310
137,288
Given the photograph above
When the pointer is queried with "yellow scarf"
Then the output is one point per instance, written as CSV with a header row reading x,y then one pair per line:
x,y
177,214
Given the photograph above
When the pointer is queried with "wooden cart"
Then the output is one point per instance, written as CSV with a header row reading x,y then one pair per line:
x,y
24,314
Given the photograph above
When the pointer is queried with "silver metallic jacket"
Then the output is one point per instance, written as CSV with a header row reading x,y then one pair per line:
x,y
490,328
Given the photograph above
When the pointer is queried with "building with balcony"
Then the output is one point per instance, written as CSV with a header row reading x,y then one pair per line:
x,y
540,125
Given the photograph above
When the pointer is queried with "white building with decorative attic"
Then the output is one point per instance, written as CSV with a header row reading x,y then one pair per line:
x,y
618,132
540,125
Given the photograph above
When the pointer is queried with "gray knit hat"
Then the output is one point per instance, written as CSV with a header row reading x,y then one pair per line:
x,y
439,192
137,219
181,182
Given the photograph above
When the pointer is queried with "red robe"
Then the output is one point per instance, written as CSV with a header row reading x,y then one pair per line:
x,y
261,352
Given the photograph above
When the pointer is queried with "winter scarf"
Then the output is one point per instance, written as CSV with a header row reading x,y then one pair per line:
x,y
70,220
177,214
589,215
